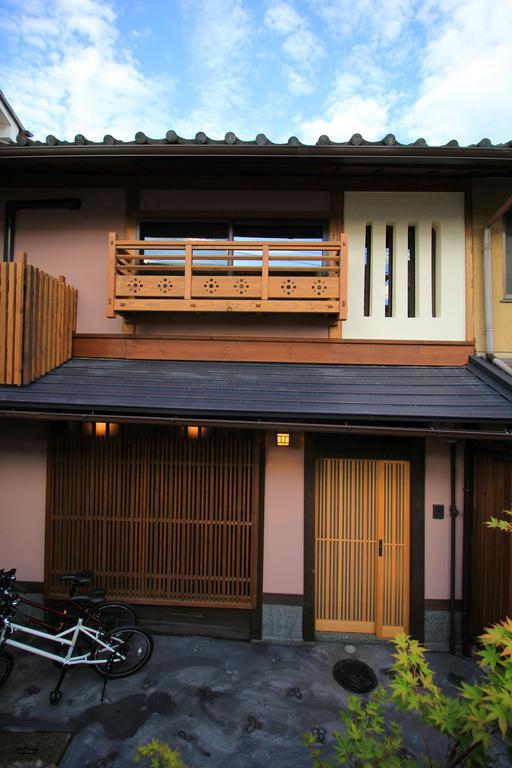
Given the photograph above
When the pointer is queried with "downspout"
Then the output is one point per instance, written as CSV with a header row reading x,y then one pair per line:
x,y
489,330
11,208
454,512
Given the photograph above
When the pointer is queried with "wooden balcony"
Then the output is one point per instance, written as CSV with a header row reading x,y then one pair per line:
x,y
37,321
227,276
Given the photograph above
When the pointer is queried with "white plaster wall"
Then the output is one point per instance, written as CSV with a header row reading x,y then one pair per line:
x,y
23,498
283,555
437,532
445,211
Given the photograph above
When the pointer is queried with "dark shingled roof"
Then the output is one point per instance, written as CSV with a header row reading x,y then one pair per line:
x,y
230,139
267,390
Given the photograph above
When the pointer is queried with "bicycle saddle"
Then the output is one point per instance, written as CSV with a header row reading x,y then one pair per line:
x,y
79,579
96,597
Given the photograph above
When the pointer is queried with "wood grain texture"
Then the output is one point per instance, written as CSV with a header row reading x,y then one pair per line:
x,y
159,517
37,320
272,350
226,276
490,551
362,546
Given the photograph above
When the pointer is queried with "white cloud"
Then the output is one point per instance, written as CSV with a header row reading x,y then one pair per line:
x,y
299,44
220,47
78,75
465,90
383,23
368,116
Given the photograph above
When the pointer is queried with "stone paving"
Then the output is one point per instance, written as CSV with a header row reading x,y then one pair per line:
x,y
221,704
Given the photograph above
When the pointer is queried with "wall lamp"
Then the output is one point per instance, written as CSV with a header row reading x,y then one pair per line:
x,y
283,439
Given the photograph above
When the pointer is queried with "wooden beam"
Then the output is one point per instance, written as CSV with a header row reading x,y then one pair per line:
x,y
282,350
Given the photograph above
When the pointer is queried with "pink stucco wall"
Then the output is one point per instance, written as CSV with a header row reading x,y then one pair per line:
x,y
283,556
437,532
23,484
74,244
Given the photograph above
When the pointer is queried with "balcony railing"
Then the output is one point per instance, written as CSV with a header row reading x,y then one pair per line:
x,y
227,276
37,320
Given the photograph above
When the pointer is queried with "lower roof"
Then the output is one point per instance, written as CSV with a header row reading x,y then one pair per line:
x,y
471,393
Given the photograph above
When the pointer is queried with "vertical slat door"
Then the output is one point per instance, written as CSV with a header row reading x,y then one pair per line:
x,y
362,546
159,517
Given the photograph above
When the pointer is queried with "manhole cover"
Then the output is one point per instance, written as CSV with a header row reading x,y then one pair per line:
x,y
354,676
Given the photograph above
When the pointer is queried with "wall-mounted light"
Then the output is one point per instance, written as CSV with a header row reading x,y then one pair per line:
x,y
100,429
283,439
192,432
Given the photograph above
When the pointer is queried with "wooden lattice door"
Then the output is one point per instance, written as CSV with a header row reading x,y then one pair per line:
x,y
362,546
160,518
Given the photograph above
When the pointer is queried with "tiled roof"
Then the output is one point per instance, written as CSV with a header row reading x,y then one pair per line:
x,y
230,139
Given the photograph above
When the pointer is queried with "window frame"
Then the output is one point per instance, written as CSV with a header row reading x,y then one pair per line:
x,y
507,255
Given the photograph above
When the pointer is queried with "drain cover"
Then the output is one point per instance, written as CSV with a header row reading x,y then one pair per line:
x,y
354,676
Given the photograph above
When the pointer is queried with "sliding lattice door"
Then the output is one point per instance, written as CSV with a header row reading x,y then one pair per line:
x,y
362,546
160,518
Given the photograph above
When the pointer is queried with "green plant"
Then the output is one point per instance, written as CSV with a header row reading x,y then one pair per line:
x,y
502,525
160,755
469,721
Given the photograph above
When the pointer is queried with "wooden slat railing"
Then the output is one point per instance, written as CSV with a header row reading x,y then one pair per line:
x,y
224,276
37,321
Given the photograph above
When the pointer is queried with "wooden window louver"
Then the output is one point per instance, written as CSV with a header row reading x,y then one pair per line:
x,y
160,518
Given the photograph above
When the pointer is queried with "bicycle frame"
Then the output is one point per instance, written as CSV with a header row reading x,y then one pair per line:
x,y
62,638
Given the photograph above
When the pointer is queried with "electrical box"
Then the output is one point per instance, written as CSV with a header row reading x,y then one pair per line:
x,y
438,511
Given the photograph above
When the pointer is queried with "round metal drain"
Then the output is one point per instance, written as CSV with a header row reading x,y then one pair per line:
x,y
354,676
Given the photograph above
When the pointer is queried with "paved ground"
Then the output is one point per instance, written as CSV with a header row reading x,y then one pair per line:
x,y
222,704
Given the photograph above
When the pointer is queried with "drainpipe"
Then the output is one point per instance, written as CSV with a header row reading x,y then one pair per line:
x,y
454,512
489,330
11,208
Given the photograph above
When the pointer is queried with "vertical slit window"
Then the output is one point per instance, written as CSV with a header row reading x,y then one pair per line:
x,y
367,270
434,268
388,272
411,271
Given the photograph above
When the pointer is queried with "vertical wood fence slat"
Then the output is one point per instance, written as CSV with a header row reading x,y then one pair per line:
x,y
159,517
37,321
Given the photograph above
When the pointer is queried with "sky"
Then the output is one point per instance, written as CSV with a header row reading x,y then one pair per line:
x,y
436,69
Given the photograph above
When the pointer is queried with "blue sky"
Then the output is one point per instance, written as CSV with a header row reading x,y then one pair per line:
x,y
439,69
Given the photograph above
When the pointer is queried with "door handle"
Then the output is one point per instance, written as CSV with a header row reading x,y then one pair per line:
x,y
380,547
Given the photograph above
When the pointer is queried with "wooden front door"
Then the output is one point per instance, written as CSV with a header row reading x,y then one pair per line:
x,y
362,546
159,517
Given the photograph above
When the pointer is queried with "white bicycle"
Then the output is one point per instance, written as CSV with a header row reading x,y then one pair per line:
x,y
118,653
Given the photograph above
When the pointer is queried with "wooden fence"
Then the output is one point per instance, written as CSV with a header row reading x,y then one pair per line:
x,y
37,320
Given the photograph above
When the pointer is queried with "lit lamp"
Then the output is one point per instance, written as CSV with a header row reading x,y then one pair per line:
x,y
192,433
100,429
283,439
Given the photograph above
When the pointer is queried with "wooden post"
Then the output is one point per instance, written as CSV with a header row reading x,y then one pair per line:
x,y
343,265
264,273
111,275
188,271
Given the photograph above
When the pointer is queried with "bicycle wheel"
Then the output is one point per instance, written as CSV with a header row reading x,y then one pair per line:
x,y
6,665
129,649
111,616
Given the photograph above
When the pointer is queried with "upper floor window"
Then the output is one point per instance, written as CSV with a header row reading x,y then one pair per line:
x,y
508,255
241,232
